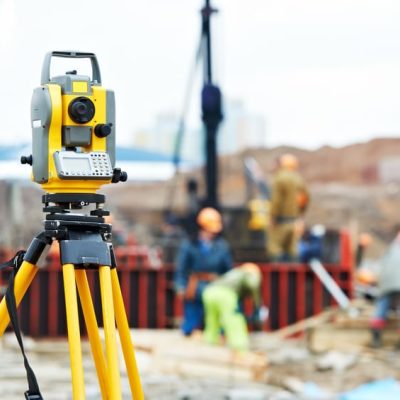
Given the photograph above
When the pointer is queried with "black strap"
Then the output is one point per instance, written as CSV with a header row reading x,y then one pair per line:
x,y
14,262
34,392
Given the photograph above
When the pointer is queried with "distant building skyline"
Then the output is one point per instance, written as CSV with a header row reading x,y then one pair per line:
x,y
238,131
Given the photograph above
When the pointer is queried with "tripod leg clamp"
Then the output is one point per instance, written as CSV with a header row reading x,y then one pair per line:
x,y
36,248
33,396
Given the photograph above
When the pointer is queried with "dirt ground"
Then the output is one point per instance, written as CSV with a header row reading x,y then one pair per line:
x,y
336,371
294,370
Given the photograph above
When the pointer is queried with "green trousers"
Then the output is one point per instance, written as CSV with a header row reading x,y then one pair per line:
x,y
221,313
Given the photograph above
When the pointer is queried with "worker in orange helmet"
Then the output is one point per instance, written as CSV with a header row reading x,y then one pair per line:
x,y
364,242
200,260
289,200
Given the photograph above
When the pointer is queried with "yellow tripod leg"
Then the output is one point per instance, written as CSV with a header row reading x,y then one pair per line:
x,y
74,337
109,333
125,337
23,279
92,329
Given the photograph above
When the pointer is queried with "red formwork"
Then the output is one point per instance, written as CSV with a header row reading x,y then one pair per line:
x,y
291,292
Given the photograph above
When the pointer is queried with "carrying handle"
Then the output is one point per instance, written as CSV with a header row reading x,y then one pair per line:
x,y
96,78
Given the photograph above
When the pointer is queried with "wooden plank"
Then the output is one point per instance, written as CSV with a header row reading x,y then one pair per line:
x,y
216,355
328,337
305,324
172,352
196,369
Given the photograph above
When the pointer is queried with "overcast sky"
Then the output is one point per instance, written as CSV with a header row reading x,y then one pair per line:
x,y
319,71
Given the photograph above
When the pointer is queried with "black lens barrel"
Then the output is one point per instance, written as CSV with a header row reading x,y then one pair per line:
x,y
81,110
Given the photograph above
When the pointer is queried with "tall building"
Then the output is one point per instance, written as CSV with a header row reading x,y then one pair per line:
x,y
141,139
163,134
193,145
251,131
228,132
162,137
240,130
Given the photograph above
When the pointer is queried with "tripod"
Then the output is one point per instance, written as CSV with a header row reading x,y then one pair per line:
x,y
84,244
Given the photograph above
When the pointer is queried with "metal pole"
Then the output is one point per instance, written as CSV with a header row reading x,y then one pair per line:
x,y
211,168
212,111
207,11
330,284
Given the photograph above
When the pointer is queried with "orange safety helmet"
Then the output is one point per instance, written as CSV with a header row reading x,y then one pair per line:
x,y
253,272
209,219
288,161
251,267
365,239
366,277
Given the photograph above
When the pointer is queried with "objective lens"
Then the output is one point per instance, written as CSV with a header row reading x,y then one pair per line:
x,y
81,110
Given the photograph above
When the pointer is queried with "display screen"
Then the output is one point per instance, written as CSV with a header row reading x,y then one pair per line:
x,y
76,164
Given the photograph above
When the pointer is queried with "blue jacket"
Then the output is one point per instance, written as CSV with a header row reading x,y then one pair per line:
x,y
197,256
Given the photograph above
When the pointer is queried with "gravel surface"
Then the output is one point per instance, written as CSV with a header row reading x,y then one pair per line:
x,y
293,373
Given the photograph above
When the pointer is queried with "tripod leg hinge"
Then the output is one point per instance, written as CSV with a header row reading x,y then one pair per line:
x,y
36,248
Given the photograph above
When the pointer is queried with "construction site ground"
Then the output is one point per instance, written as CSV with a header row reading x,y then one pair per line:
x,y
323,357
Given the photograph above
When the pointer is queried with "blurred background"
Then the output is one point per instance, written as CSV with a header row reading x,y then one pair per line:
x,y
315,79
320,77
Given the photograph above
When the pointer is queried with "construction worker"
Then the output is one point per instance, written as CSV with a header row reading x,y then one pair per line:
x,y
171,237
200,260
222,308
388,290
364,241
289,200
